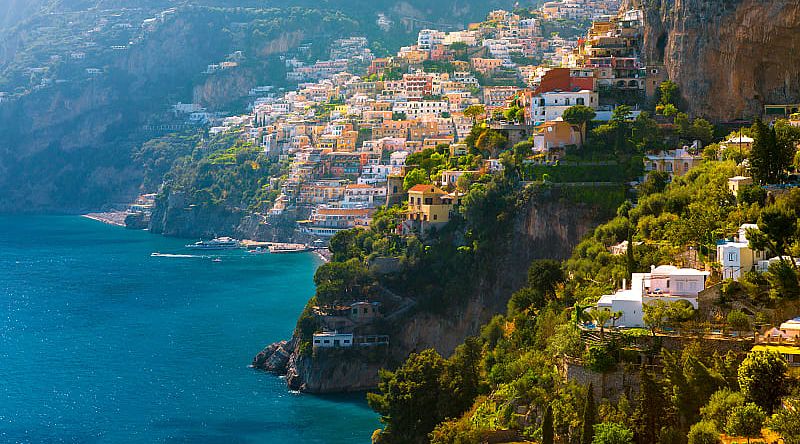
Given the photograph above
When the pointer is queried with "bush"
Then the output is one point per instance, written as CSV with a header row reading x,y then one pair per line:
x,y
704,432
738,321
599,359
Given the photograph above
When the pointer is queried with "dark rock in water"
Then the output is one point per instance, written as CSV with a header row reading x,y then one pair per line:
x,y
273,358
137,221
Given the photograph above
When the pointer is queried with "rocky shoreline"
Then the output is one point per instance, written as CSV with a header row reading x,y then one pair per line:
x,y
116,218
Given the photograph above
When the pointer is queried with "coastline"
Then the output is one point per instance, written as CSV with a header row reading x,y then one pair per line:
x,y
116,218
324,254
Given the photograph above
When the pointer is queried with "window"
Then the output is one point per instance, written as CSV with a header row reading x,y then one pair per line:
x,y
435,216
731,257
316,341
579,101
327,341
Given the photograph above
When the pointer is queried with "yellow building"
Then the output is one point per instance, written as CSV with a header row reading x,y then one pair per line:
x,y
428,206
675,162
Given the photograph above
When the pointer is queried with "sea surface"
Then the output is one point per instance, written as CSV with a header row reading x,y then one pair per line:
x,y
102,343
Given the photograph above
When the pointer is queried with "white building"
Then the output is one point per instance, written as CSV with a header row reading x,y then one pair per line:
x,y
450,177
428,38
332,340
415,110
551,105
737,257
666,283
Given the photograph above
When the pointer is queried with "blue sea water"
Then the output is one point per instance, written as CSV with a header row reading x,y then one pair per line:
x,y
102,343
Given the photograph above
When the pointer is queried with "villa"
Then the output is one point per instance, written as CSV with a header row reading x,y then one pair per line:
x,y
332,340
666,282
737,257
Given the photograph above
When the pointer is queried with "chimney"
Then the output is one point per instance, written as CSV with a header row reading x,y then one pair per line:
x,y
624,284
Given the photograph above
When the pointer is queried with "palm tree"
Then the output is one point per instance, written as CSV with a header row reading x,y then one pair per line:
x,y
600,317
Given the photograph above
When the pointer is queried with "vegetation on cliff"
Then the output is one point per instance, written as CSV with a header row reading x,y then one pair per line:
x,y
224,172
672,222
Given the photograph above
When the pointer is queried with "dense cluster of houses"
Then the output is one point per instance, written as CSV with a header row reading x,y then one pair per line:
x,y
347,136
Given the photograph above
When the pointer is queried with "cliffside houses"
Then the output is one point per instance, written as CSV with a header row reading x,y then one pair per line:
x,y
665,283
736,256
428,207
350,325
674,162
347,136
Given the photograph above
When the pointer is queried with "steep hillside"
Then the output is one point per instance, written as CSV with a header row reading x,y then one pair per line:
x,y
729,57
67,133
544,226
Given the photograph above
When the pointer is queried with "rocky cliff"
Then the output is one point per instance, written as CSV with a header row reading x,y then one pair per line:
x,y
547,227
172,216
729,57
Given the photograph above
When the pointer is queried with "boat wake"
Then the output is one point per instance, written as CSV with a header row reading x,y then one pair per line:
x,y
179,256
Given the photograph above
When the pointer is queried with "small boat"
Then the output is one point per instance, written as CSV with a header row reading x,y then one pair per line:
x,y
216,260
220,243
258,250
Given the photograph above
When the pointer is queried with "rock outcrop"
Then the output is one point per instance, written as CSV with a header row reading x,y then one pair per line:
x,y
729,57
547,227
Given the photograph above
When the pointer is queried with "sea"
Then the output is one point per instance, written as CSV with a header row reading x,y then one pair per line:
x,y
102,343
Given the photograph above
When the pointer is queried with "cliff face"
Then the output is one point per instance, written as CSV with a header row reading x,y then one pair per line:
x,y
729,57
172,216
546,228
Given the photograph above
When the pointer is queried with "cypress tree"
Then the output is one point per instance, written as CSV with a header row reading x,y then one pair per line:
x,y
547,426
589,417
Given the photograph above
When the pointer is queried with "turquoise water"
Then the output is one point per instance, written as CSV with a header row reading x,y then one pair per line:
x,y
99,342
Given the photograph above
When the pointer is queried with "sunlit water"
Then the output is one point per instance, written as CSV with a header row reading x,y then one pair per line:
x,y
100,342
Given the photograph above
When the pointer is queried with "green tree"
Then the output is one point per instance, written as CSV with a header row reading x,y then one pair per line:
x,y
655,182
600,317
769,156
580,116
544,275
589,417
408,398
612,433
490,142
720,405
654,315
341,281
651,413
461,378
668,93
787,423
777,230
645,133
704,432
763,378
621,128
414,177
751,194
547,426
702,130
746,421
738,321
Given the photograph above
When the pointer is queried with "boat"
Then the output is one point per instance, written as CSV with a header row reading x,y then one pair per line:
x,y
258,250
219,243
216,259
